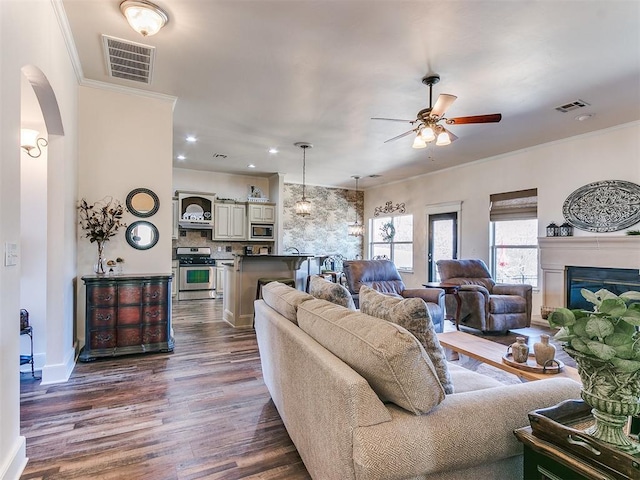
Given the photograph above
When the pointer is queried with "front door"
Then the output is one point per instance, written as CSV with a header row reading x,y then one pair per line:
x,y
443,241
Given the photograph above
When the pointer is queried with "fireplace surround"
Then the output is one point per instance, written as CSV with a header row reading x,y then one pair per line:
x,y
598,252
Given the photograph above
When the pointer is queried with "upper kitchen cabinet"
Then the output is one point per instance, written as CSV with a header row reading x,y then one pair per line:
x,y
230,221
262,213
195,210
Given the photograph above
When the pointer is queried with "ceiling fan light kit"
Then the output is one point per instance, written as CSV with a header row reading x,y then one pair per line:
x,y
303,206
428,120
144,17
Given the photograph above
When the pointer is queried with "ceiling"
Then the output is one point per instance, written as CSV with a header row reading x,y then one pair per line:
x,y
250,75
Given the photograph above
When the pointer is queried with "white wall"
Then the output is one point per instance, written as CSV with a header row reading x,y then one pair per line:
x,y
46,50
555,169
125,142
224,185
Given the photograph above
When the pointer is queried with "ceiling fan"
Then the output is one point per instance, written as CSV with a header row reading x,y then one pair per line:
x,y
428,123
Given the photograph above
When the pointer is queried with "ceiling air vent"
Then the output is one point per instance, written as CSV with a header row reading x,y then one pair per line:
x,y
569,107
128,60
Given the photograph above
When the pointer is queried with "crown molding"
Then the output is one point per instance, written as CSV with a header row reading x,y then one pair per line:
x,y
85,82
63,22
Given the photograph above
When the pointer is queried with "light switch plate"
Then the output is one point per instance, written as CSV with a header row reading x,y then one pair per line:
x,y
10,254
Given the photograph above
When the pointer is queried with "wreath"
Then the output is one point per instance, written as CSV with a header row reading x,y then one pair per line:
x,y
388,232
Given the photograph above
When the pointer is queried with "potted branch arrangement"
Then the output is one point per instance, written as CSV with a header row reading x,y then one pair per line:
x,y
101,220
605,344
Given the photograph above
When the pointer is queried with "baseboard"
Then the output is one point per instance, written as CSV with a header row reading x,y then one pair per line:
x,y
15,463
59,373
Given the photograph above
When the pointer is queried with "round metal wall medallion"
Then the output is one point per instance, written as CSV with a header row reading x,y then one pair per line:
x,y
606,206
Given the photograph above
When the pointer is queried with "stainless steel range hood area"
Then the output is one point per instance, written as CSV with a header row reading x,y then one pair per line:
x,y
196,210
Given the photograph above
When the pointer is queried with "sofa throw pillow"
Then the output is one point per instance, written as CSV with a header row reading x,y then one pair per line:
x,y
284,299
412,314
385,354
332,292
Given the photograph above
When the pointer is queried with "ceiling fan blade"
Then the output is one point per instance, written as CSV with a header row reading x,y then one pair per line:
x,y
400,136
392,119
443,102
492,118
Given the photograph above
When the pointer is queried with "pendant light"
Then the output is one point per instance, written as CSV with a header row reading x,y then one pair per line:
x,y
357,229
303,206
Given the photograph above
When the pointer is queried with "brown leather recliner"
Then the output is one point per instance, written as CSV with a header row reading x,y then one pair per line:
x,y
382,275
486,305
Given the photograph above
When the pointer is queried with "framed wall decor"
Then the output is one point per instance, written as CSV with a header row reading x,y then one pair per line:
x,y
605,206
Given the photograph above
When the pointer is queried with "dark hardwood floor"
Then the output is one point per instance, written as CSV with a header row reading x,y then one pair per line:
x,y
201,412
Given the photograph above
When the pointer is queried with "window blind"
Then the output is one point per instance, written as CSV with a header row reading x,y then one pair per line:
x,y
519,205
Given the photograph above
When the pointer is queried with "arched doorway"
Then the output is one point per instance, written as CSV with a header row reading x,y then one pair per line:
x,y
42,231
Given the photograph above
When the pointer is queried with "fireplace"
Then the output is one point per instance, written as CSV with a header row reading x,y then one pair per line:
x,y
600,252
616,280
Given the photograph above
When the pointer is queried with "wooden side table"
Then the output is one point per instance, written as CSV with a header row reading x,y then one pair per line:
x,y
546,461
449,289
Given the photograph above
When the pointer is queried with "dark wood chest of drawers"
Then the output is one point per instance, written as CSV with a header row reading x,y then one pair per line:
x,y
127,314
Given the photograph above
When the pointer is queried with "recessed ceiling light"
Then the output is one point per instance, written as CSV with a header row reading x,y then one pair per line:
x,y
190,138
584,116
251,165
181,157
273,150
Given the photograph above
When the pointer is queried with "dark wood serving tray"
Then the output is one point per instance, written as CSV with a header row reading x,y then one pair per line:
x,y
531,365
563,425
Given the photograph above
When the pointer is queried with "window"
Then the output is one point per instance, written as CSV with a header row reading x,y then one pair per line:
x,y
392,238
514,237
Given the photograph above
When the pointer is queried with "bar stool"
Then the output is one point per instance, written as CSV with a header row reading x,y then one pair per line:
x,y
263,281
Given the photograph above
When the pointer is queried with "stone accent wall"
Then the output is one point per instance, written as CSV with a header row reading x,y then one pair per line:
x,y
325,230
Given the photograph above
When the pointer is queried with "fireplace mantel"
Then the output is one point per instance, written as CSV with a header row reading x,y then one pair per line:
x,y
605,251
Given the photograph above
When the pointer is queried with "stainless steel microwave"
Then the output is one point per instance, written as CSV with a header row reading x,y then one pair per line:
x,y
261,231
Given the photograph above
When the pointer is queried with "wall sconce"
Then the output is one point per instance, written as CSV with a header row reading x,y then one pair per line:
x,y
29,141
144,17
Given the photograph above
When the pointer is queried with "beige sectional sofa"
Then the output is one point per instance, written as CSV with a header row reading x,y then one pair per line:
x,y
360,397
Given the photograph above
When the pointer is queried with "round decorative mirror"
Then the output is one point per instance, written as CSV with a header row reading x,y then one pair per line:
x,y
142,202
142,235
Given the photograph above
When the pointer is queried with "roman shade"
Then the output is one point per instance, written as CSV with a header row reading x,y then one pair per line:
x,y
519,205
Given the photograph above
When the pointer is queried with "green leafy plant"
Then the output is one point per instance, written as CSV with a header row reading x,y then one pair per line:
x,y
608,333
633,232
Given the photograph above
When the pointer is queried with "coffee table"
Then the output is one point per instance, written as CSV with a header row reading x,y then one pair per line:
x,y
491,353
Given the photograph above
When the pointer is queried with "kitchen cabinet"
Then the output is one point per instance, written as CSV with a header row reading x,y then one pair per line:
x,y
176,217
262,213
219,281
174,278
126,314
230,221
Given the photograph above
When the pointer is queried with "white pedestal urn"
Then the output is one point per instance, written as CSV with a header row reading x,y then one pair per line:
x,y
605,344
613,395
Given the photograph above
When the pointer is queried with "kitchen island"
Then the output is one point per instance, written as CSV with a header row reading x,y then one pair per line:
x,y
241,279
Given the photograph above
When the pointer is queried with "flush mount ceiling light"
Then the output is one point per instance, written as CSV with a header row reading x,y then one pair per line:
x,y
356,230
303,206
29,141
144,17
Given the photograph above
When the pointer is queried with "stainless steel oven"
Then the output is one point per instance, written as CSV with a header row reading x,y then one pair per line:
x,y
197,273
